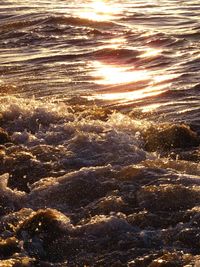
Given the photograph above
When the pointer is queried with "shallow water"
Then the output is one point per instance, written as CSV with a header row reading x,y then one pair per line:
x,y
99,138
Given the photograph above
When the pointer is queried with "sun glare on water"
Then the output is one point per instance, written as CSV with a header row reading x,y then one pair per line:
x,y
130,83
101,6
109,74
125,84
130,96
99,11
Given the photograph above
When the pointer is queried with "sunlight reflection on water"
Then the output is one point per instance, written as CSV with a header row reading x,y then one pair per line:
x,y
109,74
99,11
125,83
132,95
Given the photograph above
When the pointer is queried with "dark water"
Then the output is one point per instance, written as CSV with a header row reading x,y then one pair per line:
x,y
100,133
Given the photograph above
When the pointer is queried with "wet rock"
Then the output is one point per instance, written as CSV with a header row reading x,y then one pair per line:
x,y
168,137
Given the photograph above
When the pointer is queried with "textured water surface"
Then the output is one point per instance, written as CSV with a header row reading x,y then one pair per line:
x,y
99,133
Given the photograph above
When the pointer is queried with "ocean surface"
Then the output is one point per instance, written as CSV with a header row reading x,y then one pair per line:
x,y
100,133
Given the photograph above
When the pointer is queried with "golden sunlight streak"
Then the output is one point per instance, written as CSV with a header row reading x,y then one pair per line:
x,y
163,78
109,74
101,7
150,107
130,96
122,78
99,11
151,52
115,42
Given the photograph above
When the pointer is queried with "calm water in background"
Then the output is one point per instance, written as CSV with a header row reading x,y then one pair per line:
x,y
100,103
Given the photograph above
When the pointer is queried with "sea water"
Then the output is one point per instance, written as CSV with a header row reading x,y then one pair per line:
x,y
100,125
